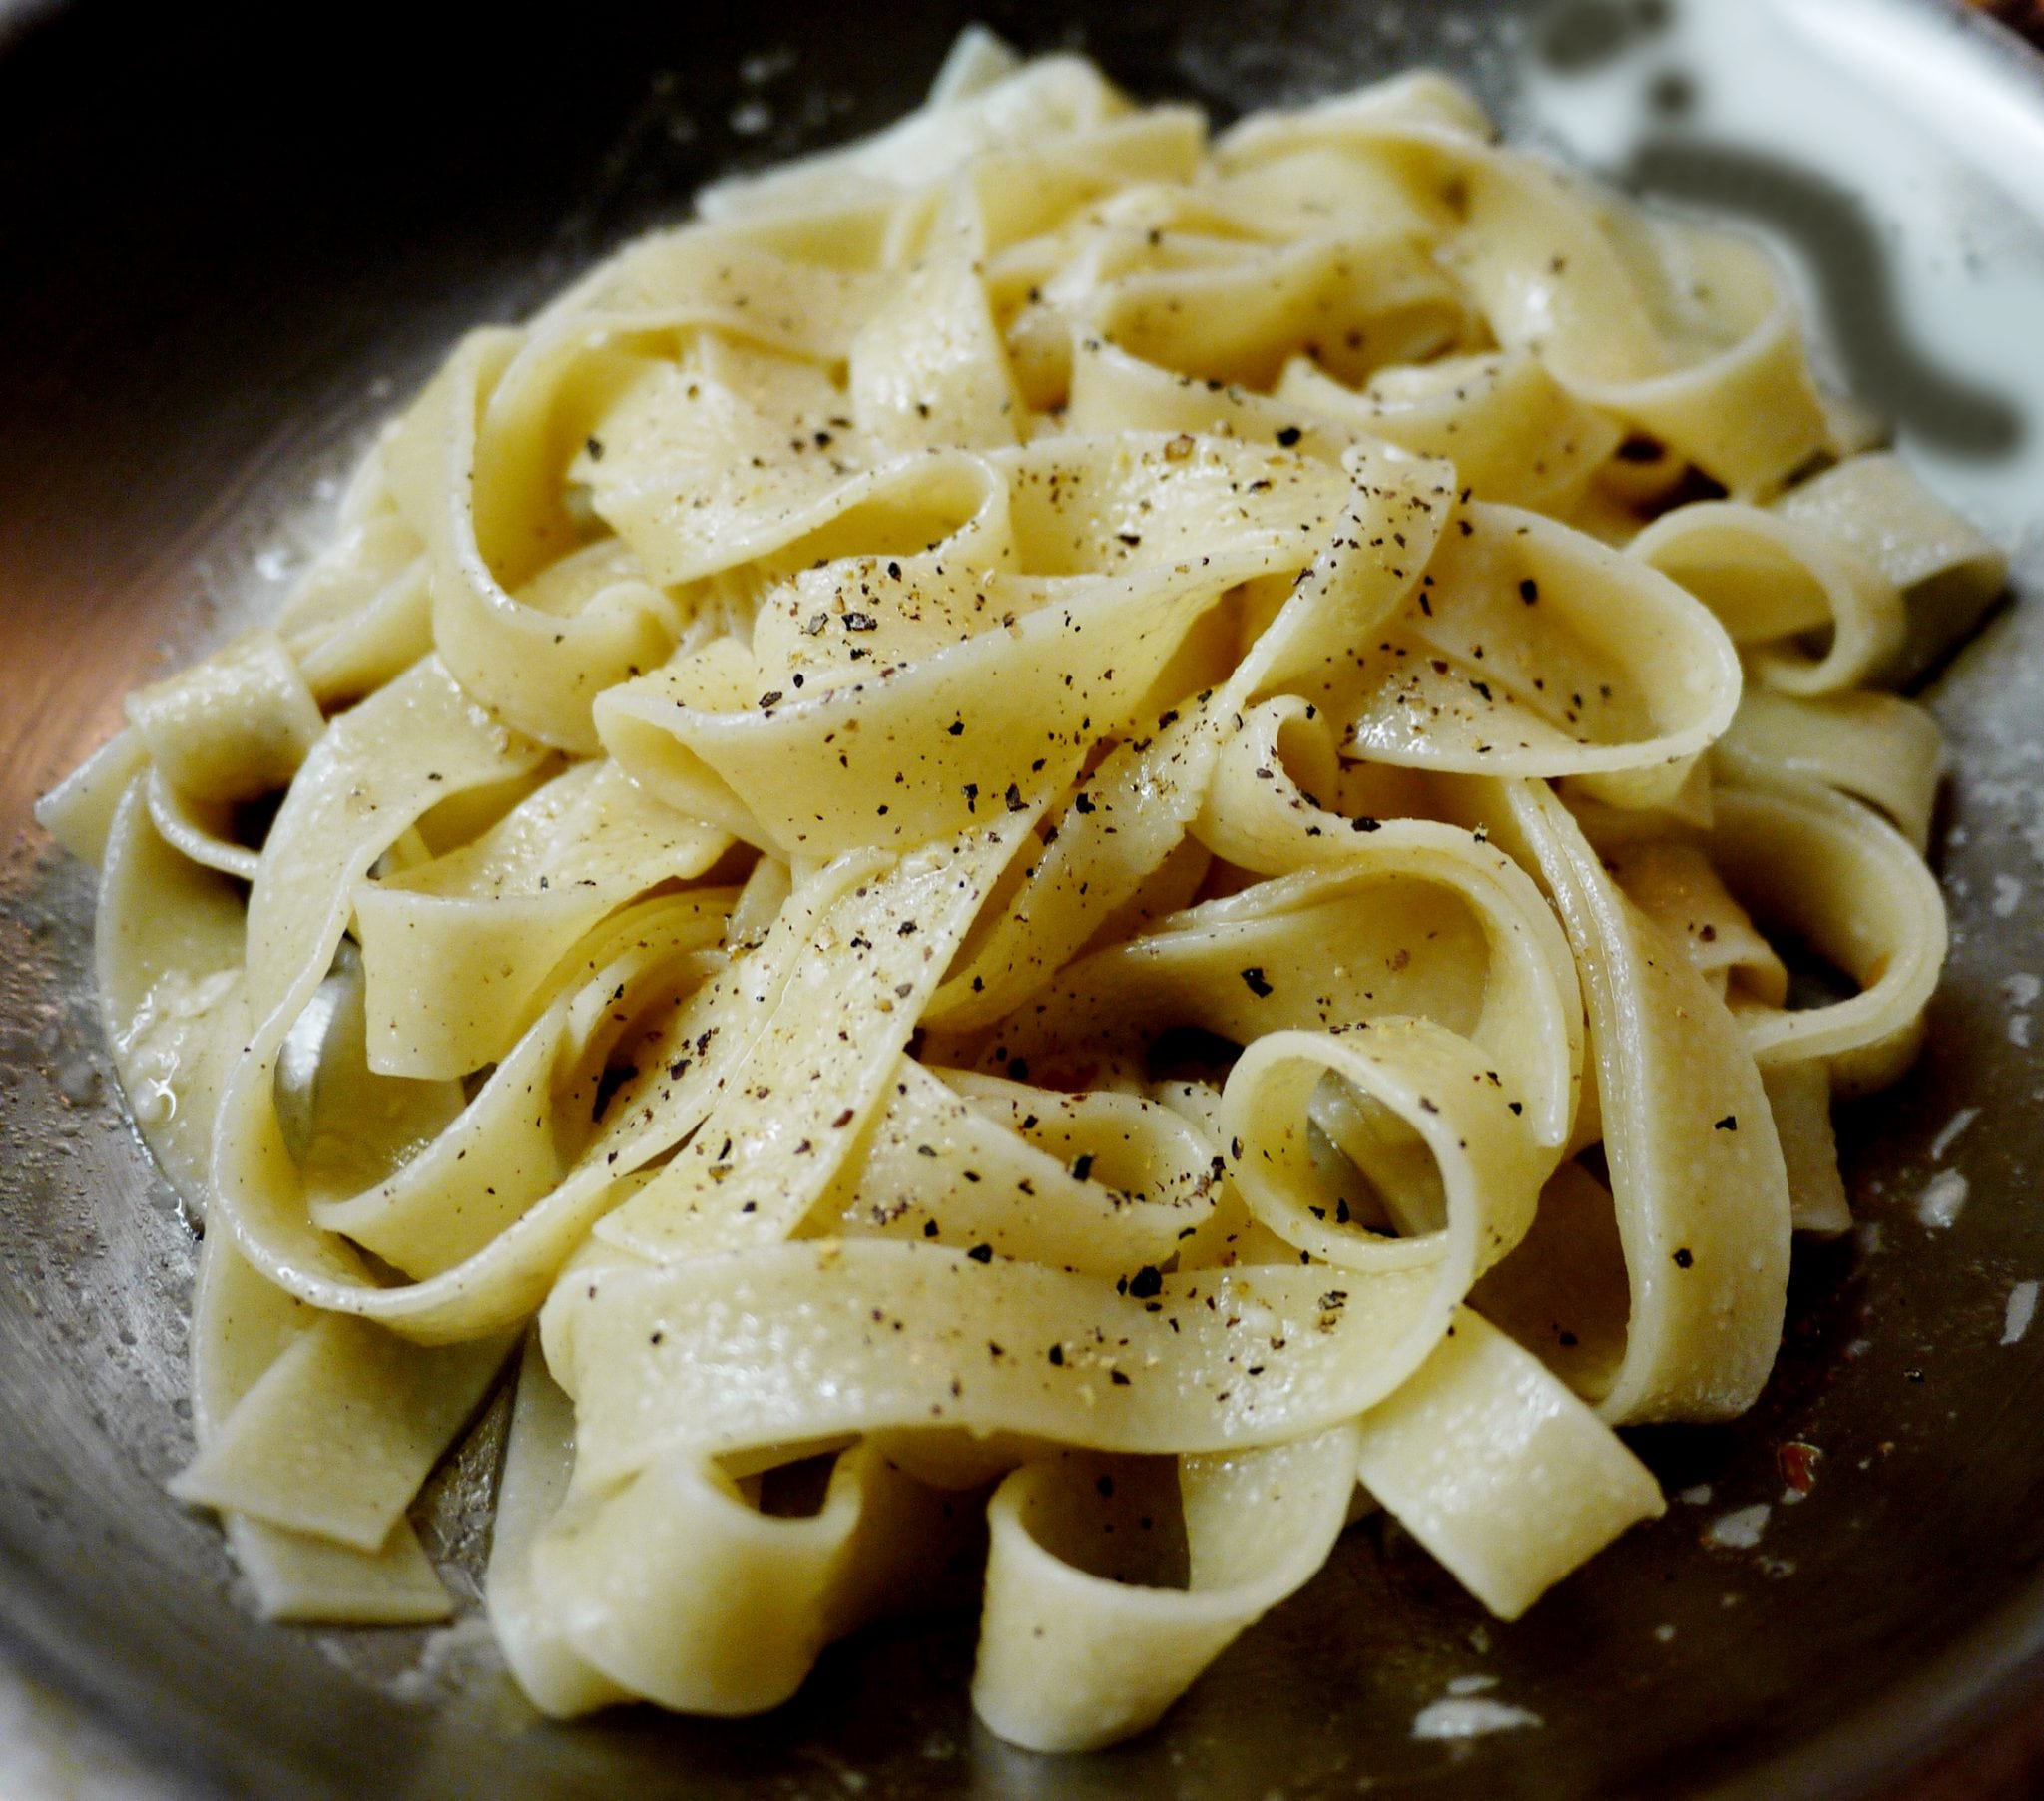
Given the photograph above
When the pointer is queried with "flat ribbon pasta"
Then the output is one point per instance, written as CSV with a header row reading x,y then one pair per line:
x,y
1050,849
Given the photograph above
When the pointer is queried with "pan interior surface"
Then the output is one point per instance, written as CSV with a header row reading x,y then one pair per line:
x,y
235,248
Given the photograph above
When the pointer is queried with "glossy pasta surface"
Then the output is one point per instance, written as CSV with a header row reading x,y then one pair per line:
x,y
1062,839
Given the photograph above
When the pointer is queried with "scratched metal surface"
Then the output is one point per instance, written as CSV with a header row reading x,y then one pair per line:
x,y
229,251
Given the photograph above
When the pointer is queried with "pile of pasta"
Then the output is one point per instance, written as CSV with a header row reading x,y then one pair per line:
x,y
1058,840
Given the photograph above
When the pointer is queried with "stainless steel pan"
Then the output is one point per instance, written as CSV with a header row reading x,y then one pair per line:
x,y
230,240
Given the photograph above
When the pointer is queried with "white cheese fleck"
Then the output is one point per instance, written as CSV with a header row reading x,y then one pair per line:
x,y
2022,1309
1464,1717
1740,1529
1942,1199
1950,1131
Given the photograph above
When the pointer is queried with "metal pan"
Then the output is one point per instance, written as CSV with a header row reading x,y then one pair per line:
x,y
231,240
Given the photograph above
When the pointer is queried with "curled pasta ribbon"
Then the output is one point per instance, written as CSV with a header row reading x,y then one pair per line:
x,y
1256,1523
455,949
1863,899
200,832
1697,1177
1535,650
1853,891
360,613
1772,582
168,954
1513,434
1686,333
659,1589
523,1135
1879,749
977,1161
538,656
1039,106
252,1341
1423,1124
738,457
231,728
1948,573
1329,948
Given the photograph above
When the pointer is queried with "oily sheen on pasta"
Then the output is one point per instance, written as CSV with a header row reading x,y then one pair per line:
x,y
1063,842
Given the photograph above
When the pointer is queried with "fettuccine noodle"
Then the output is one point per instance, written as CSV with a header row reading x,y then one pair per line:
x,y
1057,841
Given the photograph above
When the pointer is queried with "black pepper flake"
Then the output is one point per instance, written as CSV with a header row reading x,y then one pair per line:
x,y
1105,1483
1252,978
1082,1168
895,570
844,1120
1683,1257
1288,435
1730,1122
1529,591
595,448
1146,1282
956,728
860,622
981,1254
771,697
1016,804
1057,1355
1118,1379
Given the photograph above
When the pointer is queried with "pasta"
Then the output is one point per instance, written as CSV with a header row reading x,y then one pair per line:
x,y
1057,841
